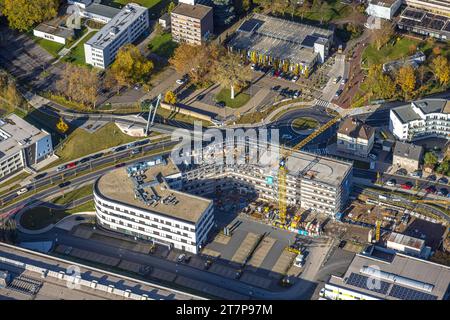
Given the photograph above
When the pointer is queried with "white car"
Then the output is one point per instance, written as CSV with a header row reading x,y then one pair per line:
x,y
373,156
22,191
343,81
181,81
286,136
391,183
60,168
294,79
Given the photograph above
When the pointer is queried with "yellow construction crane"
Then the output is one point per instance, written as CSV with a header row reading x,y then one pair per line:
x,y
285,153
377,230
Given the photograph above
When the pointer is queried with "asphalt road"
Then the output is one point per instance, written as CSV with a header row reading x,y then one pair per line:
x,y
67,174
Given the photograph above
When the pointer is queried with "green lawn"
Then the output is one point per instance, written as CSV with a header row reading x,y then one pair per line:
x,y
304,123
81,143
73,195
41,217
162,45
51,47
239,99
76,55
328,11
155,6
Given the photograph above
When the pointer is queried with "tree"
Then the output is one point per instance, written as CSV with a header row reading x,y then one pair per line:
x,y
230,72
441,69
430,159
383,34
79,84
24,14
130,66
196,61
379,84
406,80
62,126
170,97
437,51
412,49
170,7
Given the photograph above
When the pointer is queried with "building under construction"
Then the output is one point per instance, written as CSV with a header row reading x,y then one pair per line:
x,y
312,182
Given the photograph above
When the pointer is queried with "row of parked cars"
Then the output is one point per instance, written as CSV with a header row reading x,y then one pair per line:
x,y
286,92
429,189
275,72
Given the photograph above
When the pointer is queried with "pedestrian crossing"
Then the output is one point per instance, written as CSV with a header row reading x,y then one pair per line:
x,y
340,58
321,103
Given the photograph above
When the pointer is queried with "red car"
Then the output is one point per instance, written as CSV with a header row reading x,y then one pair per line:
x,y
71,165
407,186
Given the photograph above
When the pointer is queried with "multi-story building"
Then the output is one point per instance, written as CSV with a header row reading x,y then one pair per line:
x,y
421,119
435,6
407,155
21,145
425,23
191,23
382,274
312,182
286,45
130,23
384,9
169,204
139,201
355,137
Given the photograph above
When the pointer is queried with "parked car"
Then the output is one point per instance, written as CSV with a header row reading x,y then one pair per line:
x,y
343,81
342,244
336,80
180,81
443,192
391,183
136,151
401,172
296,94
338,93
96,156
85,159
276,88
142,142
294,79
71,165
220,104
407,185
121,148
431,177
79,218
252,66
181,258
417,174
119,165
40,176
22,191
430,189
60,168
373,156
443,180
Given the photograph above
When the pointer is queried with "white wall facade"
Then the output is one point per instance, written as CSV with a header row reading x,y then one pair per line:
x,y
150,225
383,12
332,292
49,37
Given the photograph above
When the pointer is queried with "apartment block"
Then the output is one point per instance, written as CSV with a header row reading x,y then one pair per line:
x,y
21,145
191,23
130,23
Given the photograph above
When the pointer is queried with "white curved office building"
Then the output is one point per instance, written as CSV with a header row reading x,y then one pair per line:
x,y
140,203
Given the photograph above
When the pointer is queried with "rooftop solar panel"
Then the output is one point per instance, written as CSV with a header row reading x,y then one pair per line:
x,y
250,25
361,281
413,14
404,293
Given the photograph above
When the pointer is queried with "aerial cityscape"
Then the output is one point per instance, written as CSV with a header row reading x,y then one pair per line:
x,y
244,150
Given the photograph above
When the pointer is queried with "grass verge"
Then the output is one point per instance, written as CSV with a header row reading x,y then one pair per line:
x,y
239,100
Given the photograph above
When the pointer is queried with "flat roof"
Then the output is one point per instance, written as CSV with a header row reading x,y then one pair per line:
x,y
116,26
420,19
407,114
197,11
56,27
102,10
117,186
56,289
406,240
15,134
383,3
401,278
280,38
